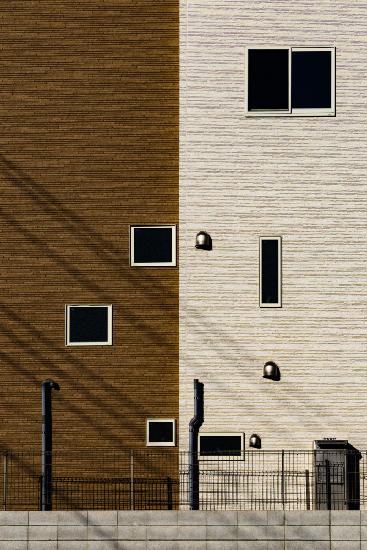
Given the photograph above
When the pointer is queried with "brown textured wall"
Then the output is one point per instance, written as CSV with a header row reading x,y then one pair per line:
x,y
88,145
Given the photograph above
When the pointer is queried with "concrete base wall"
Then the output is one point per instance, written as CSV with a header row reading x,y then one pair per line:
x,y
112,530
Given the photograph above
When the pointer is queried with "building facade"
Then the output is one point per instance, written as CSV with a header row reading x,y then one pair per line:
x,y
113,159
273,171
89,148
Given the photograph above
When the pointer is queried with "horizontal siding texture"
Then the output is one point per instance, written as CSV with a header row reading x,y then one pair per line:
x,y
303,179
89,145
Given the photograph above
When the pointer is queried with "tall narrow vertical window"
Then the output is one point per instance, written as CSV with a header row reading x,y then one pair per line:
x,y
270,271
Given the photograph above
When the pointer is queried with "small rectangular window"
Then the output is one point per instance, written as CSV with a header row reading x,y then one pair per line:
x,y
221,444
270,271
153,245
88,325
161,432
290,81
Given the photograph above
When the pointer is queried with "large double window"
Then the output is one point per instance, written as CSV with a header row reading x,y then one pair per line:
x,y
290,81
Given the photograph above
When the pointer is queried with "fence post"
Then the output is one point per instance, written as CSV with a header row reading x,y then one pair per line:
x,y
169,494
328,484
283,481
308,495
132,480
5,479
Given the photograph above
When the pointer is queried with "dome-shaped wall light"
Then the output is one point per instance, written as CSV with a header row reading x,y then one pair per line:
x,y
203,241
271,371
255,441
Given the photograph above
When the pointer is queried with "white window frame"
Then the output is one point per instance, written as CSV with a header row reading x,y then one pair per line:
x,y
279,303
109,325
229,434
160,443
153,264
292,112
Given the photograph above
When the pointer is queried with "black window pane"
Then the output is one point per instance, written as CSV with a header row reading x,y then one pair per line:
x,y
268,80
152,245
160,432
88,324
269,271
220,445
311,80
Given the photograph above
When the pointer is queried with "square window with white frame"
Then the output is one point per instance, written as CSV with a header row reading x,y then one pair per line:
x,y
153,245
290,81
88,325
270,272
161,432
221,444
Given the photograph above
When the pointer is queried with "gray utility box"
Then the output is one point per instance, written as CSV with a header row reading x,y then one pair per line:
x,y
337,485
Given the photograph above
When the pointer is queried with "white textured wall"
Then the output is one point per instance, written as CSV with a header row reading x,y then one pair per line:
x,y
302,178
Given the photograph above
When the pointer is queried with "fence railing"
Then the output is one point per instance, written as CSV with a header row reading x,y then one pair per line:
x,y
154,480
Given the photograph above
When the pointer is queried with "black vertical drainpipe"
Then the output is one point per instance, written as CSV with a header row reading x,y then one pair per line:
x,y
194,427
46,476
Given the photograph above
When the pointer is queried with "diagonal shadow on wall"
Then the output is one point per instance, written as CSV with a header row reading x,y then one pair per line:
x,y
87,235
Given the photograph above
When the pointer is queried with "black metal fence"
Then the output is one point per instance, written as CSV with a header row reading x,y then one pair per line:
x,y
152,480
71,493
129,480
